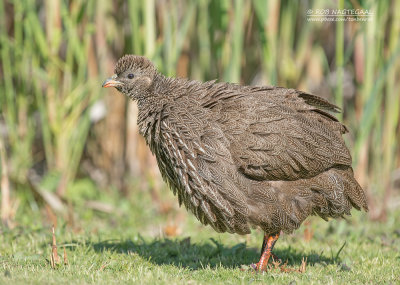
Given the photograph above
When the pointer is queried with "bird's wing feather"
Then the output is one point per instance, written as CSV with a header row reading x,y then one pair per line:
x,y
280,134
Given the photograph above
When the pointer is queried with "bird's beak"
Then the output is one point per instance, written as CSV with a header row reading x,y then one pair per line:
x,y
111,82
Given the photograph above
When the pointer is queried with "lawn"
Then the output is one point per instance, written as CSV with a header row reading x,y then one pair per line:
x,y
141,242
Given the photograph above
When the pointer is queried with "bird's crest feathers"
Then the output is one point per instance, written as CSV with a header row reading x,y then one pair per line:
x,y
133,62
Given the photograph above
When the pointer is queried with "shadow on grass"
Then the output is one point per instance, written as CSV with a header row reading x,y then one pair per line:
x,y
183,253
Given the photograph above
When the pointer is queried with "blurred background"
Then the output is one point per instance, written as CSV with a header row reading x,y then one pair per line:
x,y
67,144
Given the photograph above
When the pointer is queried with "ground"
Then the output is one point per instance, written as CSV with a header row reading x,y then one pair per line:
x,y
130,246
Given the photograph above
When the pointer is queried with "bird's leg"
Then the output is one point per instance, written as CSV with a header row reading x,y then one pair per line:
x,y
263,247
266,251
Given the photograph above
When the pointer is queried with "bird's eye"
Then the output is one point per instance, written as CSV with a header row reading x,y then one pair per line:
x,y
131,75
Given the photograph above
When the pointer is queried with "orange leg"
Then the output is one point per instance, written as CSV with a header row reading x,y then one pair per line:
x,y
268,245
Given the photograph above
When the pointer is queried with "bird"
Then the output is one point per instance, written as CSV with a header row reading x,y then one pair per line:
x,y
243,157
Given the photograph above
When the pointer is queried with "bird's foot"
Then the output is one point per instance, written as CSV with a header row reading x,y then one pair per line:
x,y
275,258
274,264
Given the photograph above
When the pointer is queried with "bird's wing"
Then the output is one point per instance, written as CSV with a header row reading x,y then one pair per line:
x,y
194,158
278,133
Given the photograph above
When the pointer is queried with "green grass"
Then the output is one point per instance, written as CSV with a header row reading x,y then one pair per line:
x,y
128,247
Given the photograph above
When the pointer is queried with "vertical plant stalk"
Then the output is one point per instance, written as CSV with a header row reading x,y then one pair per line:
x,y
203,38
134,10
150,15
268,13
65,257
339,60
54,253
272,30
5,188
233,70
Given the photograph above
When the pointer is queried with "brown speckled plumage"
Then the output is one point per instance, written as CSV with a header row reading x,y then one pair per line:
x,y
242,156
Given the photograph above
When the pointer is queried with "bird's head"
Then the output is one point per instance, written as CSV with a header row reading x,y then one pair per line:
x,y
133,76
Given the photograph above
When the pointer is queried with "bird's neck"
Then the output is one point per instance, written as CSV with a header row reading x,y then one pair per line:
x,y
150,108
164,91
